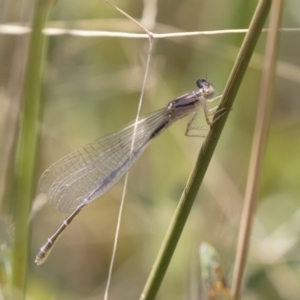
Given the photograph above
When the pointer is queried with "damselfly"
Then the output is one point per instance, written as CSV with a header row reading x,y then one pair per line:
x,y
87,173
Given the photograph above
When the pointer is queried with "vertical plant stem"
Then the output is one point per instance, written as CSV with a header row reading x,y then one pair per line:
x,y
27,145
258,147
189,194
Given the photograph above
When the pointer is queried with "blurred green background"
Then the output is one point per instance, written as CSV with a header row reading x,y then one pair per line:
x,y
92,87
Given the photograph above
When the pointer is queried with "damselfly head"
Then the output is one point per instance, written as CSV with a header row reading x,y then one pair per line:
x,y
207,88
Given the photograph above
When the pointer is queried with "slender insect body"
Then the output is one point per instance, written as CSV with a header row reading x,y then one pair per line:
x,y
87,173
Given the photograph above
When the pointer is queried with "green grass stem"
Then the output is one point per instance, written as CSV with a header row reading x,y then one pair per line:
x,y
190,192
27,148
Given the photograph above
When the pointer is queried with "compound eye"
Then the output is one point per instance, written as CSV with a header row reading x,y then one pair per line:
x,y
206,88
201,83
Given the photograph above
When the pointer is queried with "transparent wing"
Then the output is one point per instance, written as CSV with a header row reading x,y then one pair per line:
x,y
90,171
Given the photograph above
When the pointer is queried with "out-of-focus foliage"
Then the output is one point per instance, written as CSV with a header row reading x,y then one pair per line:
x,y
92,87
214,281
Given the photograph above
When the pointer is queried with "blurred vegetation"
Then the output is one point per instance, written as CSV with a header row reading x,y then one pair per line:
x,y
91,88
213,278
